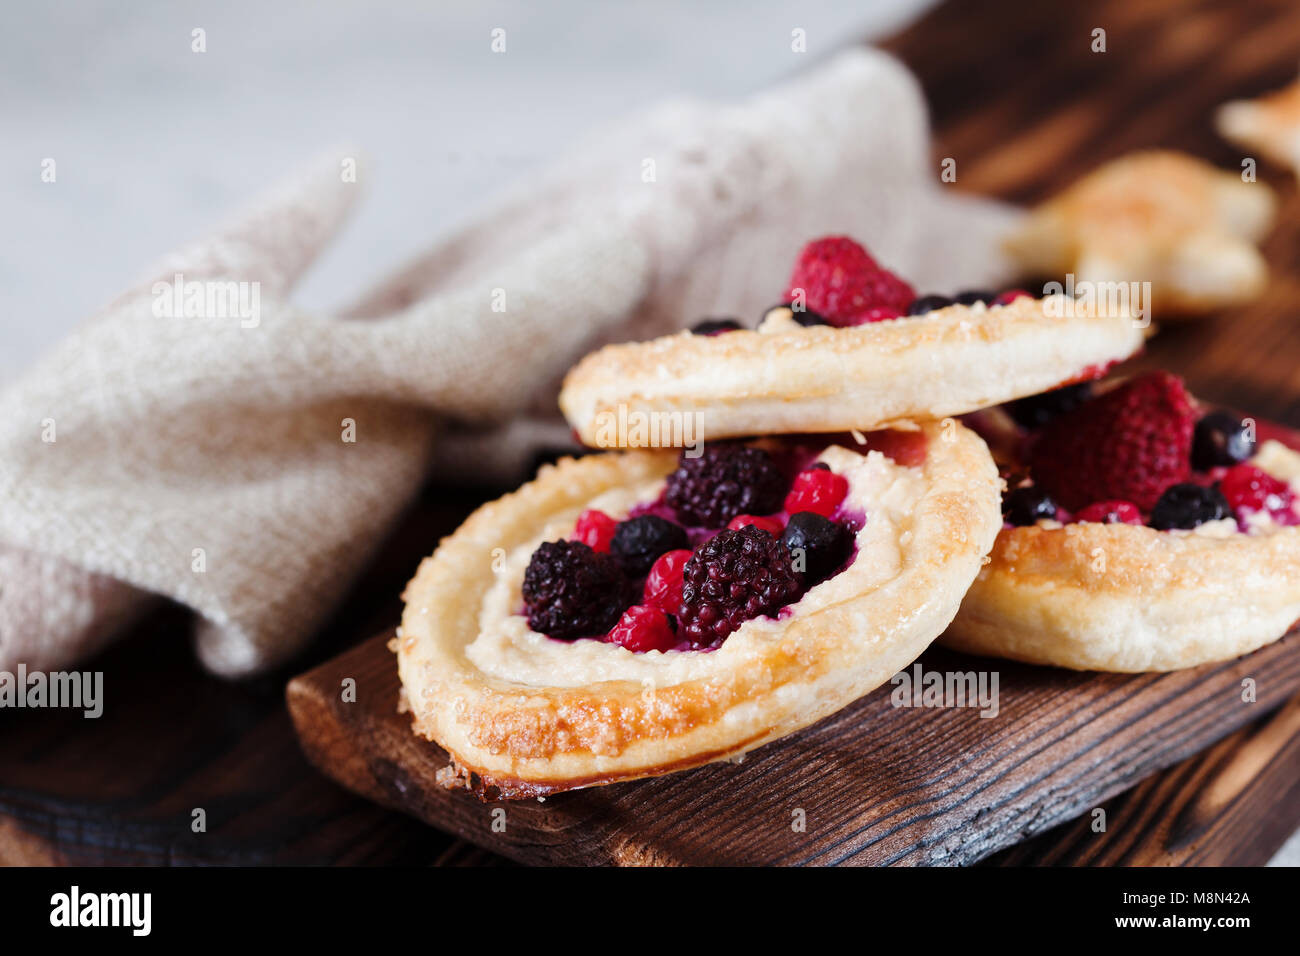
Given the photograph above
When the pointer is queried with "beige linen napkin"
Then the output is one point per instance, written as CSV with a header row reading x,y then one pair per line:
x,y
208,458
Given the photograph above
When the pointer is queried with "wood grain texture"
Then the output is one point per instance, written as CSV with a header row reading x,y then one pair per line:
x,y
876,783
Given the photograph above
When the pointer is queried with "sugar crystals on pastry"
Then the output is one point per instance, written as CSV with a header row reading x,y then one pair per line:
x,y
852,347
1161,217
1142,532
633,613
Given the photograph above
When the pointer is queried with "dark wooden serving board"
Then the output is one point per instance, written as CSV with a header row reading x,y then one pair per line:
x,y
874,784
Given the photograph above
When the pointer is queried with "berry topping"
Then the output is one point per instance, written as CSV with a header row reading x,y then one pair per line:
x,y
817,545
928,303
663,586
715,326
1110,512
733,577
639,541
725,481
973,296
595,529
1220,439
1248,489
840,280
570,591
769,524
1187,505
642,629
1035,411
1025,506
819,490
1006,298
806,317
1129,444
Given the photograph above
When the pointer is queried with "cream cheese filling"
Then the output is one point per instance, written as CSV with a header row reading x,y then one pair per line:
x,y
507,649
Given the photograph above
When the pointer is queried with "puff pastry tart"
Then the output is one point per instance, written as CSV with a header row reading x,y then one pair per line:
x,y
854,347
1142,532
1270,124
628,614
1160,217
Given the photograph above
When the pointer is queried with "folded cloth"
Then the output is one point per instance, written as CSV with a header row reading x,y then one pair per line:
x,y
247,464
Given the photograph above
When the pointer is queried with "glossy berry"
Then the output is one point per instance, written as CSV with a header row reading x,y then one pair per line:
x,y
733,577
841,281
642,629
1128,444
1110,512
725,481
570,591
817,545
973,296
715,326
663,585
818,490
1027,505
1187,505
1035,411
595,529
928,303
1006,298
1248,489
638,542
808,318
1220,439
769,524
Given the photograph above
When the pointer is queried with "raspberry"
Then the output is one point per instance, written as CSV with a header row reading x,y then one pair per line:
x,y
1187,505
570,591
642,629
595,529
733,577
818,490
725,481
639,541
663,585
822,544
1111,512
1129,444
772,526
1025,506
842,282
1248,489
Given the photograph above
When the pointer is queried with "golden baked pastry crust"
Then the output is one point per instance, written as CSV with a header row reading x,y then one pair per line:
x,y
1270,124
514,740
1127,598
825,379
1179,223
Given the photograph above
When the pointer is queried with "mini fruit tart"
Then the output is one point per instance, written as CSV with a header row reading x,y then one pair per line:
x,y
1142,532
852,347
629,614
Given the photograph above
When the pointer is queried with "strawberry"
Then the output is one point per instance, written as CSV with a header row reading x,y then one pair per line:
x,y
1128,444
840,281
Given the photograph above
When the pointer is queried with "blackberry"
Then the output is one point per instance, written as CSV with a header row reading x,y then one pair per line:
x,y
1035,411
638,542
1221,438
725,481
1025,506
733,577
1187,505
715,326
823,544
975,295
928,303
570,591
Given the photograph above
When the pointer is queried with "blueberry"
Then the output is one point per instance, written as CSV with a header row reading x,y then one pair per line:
x,y
807,318
1025,506
638,542
823,544
971,296
928,303
1187,505
715,326
1035,411
1220,439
